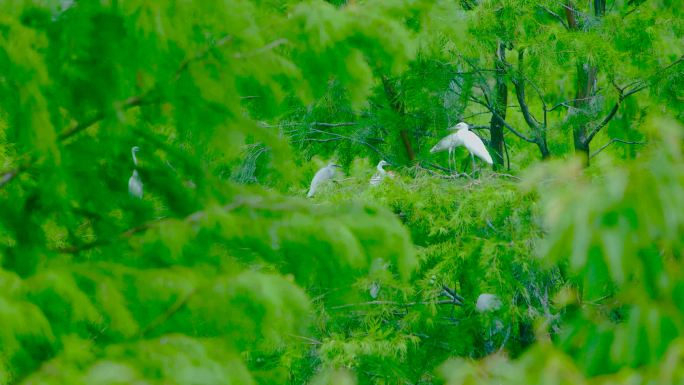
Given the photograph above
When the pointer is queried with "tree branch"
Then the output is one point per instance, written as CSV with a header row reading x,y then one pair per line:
x,y
519,85
396,303
192,218
505,123
637,86
265,48
173,309
200,55
9,175
614,140
555,15
342,124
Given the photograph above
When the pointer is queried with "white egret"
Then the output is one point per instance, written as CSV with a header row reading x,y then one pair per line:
x,y
463,137
380,175
374,290
487,302
135,185
322,175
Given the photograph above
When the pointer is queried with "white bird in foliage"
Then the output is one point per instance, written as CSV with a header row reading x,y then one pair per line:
x,y
487,302
135,185
380,175
322,175
468,139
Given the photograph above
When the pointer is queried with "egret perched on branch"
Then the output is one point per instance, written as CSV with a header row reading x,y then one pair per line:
x,y
380,175
322,175
135,185
463,137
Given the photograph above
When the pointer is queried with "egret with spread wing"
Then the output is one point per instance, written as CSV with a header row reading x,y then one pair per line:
x,y
466,138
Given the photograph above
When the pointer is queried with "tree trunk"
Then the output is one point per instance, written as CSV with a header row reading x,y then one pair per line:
x,y
496,127
544,149
585,86
398,107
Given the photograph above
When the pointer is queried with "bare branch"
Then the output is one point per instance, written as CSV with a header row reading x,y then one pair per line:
x,y
519,85
637,86
200,55
263,49
614,140
395,303
565,103
614,110
192,218
351,139
132,101
492,110
342,124
506,176
555,15
173,309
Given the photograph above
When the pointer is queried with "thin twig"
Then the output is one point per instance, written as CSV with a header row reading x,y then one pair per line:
x,y
505,175
192,218
175,308
614,140
555,15
341,124
137,100
200,55
370,303
263,49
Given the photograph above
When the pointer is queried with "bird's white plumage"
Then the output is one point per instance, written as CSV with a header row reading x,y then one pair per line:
x,y
459,126
380,174
447,143
474,145
134,150
374,290
322,175
135,185
466,138
487,302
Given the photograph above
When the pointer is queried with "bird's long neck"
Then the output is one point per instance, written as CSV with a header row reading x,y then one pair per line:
x,y
135,160
381,169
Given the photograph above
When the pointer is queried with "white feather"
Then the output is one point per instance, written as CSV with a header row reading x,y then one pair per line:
x,y
135,185
449,142
464,137
380,175
322,175
474,145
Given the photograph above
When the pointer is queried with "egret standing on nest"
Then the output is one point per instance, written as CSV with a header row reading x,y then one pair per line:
x,y
468,139
135,185
322,175
380,175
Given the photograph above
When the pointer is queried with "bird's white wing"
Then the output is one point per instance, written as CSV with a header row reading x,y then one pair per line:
x,y
475,145
322,175
135,185
376,179
448,142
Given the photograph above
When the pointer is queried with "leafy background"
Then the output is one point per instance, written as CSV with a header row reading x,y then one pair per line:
x,y
225,273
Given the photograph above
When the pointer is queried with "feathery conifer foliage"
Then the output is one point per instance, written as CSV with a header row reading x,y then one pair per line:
x,y
222,272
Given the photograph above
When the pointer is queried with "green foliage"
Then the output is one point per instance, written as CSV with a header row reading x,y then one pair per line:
x,y
223,273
